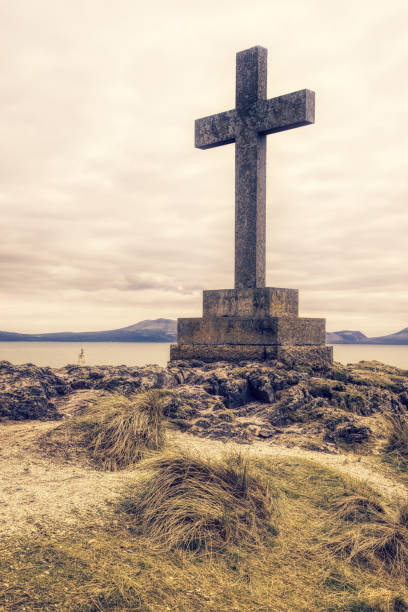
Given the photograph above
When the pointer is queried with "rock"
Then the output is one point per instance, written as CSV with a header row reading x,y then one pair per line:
x,y
226,415
29,392
403,398
350,433
120,379
235,391
296,405
188,401
266,433
203,423
265,382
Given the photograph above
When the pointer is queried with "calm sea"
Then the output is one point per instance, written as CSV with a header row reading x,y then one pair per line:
x,y
58,354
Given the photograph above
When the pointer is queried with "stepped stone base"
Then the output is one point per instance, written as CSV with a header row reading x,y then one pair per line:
x,y
257,324
248,330
257,302
307,355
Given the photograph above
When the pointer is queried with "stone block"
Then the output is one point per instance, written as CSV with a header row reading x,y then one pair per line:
x,y
244,330
252,302
290,355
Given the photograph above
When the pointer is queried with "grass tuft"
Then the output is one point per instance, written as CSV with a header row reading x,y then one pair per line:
x,y
358,508
194,503
397,435
378,537
115,433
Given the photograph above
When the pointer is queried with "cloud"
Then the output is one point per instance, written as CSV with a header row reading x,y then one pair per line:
x,y
108,213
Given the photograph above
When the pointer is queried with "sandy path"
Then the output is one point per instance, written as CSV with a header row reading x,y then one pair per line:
x,y
35,489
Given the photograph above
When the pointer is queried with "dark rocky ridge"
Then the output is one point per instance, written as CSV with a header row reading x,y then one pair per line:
x,y
326,407
30,392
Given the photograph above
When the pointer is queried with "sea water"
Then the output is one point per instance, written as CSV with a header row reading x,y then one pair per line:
x,y
58,354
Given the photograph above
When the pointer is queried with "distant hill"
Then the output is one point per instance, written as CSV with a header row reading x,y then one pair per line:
x,y
157,330
356,337
346,337
168,326
165,330
400,337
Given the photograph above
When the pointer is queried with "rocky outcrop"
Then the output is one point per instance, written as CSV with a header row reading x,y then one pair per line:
x,y
328,407
119,379
29,392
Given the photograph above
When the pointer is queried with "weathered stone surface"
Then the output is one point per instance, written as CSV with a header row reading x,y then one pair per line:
x,y
231,386
289,355
121,379
247,126
29,392
252,337
256,302
264,116
221,352
312,404
188,401
351,433
251,321
244,330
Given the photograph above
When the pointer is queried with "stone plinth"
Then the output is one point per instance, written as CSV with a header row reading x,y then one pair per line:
x,y
251,324
290,331
306,355
255,303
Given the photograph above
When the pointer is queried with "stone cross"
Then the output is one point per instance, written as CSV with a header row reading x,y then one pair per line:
x,y
247,125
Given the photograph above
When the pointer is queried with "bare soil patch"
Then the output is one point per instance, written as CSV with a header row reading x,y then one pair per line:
x,y
35,490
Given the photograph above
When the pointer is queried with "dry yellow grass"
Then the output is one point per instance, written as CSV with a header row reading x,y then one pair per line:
x,y
376,535
113,434
111,565
397,438
359,508
196,503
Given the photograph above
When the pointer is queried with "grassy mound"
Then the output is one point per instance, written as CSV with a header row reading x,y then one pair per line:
x,y
376,536
359,508
194,503
113,434
103,563
397,438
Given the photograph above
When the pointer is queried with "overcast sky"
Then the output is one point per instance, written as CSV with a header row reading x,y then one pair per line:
x,y
108,213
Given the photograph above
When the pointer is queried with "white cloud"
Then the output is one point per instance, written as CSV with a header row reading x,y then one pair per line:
x,y
108,213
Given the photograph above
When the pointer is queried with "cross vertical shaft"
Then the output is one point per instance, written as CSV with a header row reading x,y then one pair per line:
x,y
250,172
247,126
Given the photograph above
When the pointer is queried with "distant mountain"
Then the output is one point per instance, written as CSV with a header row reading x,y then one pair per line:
x,y
346,337
356,337
400,337
157,330
168,326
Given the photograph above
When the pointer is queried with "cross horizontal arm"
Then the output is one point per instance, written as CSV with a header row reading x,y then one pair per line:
x,y
284,112
215,130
